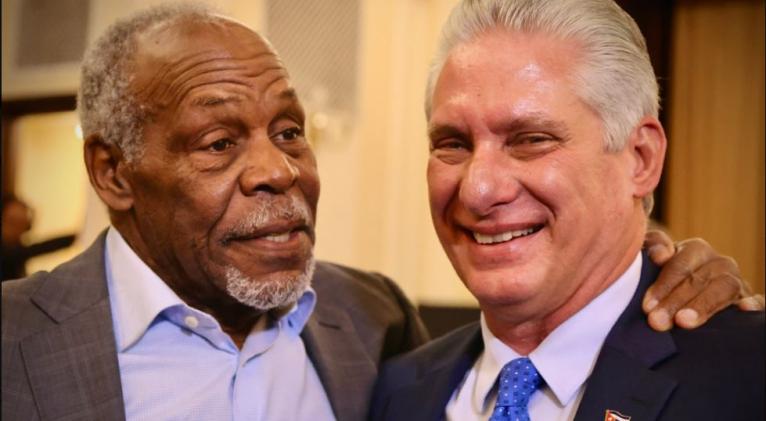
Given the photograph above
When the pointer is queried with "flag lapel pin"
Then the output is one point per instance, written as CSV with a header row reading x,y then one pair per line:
x,y
612,415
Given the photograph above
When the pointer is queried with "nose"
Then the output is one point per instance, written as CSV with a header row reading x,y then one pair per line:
x,y
267,169
489,181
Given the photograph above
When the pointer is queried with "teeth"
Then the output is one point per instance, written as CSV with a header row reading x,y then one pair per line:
x,y
501,238
278,238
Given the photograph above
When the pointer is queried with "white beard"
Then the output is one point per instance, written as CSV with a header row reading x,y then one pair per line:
x,y
271,293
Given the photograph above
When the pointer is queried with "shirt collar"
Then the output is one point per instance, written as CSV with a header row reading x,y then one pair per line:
x,y
568,354
138,295
297,317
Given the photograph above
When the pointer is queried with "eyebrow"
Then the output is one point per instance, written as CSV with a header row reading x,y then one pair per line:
x,y
535,122
528,122
288,94
212,100
443,130
290,101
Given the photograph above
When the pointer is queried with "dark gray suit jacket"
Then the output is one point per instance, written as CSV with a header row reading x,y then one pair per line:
x,y
59,353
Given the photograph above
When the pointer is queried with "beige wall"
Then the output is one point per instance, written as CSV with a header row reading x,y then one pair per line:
x,y
374,207
62,79
35,81
716,170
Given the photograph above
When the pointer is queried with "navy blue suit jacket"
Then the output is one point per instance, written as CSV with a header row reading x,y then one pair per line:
x,y
715,372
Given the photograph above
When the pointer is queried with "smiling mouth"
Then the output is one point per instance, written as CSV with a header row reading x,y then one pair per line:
x,y
505,236
278,237
282,235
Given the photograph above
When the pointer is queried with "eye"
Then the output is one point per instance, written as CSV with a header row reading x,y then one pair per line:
x,y
449,144
532,145
221,145
451,150
289,134
534,139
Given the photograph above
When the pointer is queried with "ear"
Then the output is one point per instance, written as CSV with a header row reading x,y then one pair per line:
x,y
107,172
647,144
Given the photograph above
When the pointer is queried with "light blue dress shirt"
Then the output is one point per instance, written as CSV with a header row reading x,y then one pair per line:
x,y
176,363
565,359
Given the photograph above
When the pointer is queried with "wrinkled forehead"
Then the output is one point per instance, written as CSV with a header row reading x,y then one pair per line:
x,y
529,58
171,55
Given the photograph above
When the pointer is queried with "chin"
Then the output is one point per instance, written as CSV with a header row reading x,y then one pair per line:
x,y
501,287
269,291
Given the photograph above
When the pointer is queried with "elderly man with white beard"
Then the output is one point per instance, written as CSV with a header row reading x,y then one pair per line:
x,y
198,301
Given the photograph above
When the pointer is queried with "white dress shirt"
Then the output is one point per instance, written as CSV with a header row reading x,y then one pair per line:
x,y
565,359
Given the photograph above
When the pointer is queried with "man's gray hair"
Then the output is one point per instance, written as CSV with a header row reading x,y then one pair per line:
x,y
104,102
615,76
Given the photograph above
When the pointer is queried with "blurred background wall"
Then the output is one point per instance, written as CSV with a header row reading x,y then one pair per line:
x,y
360,68
715,171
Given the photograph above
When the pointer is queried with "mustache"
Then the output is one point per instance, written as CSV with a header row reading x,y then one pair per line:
x,y
273,211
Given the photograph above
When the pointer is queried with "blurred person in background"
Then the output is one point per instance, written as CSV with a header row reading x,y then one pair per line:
x,y
17,221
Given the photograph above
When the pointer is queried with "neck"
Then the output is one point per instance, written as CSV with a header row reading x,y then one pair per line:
x,y
261,322
236,319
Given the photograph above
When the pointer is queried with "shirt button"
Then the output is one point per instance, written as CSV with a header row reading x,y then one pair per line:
x,y
191,322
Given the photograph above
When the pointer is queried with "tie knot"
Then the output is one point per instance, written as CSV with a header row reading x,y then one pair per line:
x,y
518,380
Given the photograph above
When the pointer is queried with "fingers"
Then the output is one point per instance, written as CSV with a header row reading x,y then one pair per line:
x,y
752,303
659,246
659,320
690,255
700,295
719,294
662,317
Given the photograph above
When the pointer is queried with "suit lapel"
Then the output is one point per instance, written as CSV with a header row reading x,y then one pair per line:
x,y
622,379
624,384
426,398
72,366
345,368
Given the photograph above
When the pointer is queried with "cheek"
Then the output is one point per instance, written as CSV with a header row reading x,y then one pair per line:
x,y
443,184
205,194
561,183
547,183
575,186
309,182
154,195
209,203
199,204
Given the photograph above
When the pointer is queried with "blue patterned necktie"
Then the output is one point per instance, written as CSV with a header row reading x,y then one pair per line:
x,y
518,381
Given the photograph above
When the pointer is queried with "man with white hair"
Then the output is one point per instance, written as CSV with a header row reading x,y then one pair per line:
x,y
545,150
202,300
